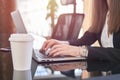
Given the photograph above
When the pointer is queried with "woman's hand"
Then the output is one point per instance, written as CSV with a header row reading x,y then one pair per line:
x,y
50,43
64,50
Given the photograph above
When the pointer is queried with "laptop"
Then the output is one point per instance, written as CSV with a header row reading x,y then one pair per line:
x,y
38,42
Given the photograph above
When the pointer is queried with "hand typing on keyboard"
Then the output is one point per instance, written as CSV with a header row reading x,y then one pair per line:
x,y
45,52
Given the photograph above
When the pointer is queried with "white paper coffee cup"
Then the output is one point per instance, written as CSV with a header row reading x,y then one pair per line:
x,y
21,47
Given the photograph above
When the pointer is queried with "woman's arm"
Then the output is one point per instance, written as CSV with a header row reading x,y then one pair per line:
x,y
87,39
111,55
103,59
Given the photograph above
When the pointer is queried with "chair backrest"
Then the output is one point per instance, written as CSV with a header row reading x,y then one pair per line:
x,y
68,26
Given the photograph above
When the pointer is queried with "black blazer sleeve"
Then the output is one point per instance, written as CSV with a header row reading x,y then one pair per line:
x,y
111,55
87,39
103,59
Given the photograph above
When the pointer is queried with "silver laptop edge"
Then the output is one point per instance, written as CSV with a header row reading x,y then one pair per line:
x,y
19,24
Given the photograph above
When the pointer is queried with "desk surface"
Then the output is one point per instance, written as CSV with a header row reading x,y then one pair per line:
x,y
7,72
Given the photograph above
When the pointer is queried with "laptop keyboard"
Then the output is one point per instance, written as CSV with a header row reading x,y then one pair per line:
x,y
38,54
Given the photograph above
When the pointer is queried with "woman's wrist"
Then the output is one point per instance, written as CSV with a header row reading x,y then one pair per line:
x,y
83,51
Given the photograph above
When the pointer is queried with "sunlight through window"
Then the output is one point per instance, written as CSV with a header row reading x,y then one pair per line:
x,y
34,13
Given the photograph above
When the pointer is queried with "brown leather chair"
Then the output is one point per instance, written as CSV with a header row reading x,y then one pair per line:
x,y
68,26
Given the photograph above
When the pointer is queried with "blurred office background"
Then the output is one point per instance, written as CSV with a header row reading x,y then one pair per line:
x,y
34,13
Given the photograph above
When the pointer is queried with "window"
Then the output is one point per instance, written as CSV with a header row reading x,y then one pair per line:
x,y
34,13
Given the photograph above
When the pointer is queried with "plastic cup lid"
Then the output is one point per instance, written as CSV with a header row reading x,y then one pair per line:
x,y
21,37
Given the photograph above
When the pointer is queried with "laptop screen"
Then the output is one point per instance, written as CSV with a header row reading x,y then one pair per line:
x,y
17,19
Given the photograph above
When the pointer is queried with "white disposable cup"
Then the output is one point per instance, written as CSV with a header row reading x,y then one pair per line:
x,y
21,48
